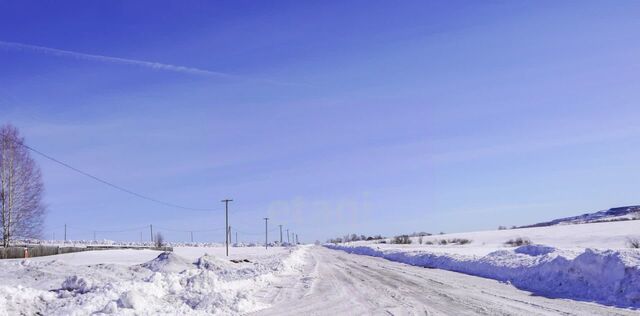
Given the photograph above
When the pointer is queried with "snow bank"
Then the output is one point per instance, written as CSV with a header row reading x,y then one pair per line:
x,y
167,285
611,235
604,276
167,262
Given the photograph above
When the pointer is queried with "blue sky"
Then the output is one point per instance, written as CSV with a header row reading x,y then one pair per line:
x,y
329,117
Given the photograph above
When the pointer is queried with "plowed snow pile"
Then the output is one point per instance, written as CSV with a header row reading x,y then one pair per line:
x,y
167,285
586,262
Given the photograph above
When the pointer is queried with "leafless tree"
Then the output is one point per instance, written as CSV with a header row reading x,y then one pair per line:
x,y
21,190
159,241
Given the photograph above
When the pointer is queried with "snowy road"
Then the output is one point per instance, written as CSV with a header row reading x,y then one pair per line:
x,y
336,283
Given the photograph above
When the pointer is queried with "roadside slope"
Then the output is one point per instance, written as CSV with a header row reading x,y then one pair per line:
x,y
337,283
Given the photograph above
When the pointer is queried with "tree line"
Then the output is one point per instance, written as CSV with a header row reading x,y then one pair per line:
x,y
353,237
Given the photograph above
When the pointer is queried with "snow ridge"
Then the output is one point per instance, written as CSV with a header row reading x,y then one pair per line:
x,y
616,213
610,277
167,285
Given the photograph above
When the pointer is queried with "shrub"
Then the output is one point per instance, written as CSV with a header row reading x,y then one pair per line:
x,y
428,242
460,241
502,227
402,239
442,242
420,240
159,241
633,243
518,242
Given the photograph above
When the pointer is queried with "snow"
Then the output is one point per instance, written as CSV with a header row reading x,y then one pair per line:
x,y
585,262
610,235
122,257
616,213
190,280
588,262
337,283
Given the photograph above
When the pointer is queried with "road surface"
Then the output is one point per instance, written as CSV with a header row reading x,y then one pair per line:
x,y
336,283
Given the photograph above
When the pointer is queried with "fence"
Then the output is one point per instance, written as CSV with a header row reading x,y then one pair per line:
x,y
15,252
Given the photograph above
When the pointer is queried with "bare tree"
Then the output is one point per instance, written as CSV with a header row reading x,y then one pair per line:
x,y
21,190
159,241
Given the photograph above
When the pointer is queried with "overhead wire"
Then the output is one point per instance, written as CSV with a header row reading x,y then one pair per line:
x,y
133,193
112,185
189,230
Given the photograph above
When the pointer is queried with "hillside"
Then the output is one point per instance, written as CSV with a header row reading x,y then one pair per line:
x,y
613,214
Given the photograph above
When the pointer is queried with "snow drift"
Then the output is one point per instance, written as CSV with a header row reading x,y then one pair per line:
x,y
167,285
609,277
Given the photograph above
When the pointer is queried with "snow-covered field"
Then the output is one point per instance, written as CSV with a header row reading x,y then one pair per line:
x,y
587,262
191,280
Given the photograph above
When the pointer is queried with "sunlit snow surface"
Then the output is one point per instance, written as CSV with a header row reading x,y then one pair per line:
x,y
133,282
587,262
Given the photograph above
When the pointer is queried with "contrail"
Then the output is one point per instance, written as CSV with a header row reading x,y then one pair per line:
x,y
125,61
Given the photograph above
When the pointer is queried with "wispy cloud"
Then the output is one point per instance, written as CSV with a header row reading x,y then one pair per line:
x,y
131,62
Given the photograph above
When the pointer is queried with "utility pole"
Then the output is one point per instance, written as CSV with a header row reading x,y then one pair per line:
x,y
140,237
280,235
192,237
151,231
288,242
236,238
266,239
65,232
229,235
94,235
297,242
226,225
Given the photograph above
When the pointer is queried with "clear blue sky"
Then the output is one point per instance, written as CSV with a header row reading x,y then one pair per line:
x,y
330,117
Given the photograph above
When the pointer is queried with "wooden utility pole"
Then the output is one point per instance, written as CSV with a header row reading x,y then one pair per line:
x,y
288,242
280,235
151,231
266,230
192,237
65,232
226,225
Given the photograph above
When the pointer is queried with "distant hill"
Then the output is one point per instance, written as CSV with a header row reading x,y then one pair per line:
x,y
613,214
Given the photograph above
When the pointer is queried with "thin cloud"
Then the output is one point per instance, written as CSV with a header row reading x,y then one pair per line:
x,y
131,62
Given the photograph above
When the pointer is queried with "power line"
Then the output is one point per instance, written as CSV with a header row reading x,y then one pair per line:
x,y
122,230
248,233
117,187
189,230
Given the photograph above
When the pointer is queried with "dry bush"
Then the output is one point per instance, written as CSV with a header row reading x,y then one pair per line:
x,y
633,243
159,240
460,241
402,239
518,242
